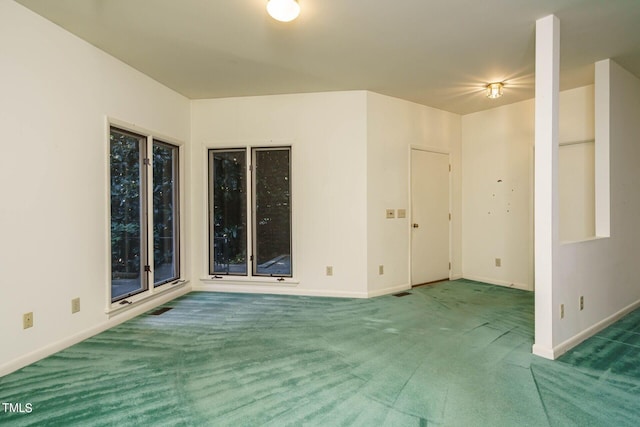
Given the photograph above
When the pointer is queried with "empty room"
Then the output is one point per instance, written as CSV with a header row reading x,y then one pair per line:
x,y
331,213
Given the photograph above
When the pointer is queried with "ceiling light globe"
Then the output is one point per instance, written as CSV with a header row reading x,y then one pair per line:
x,y
283,10
494,90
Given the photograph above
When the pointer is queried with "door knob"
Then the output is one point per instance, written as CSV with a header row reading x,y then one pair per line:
x,y
415,225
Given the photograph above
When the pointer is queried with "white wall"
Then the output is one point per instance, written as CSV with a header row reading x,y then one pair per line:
x,y
576,164
605,270
56,92
576,181
497,149
350,163
393,127
327,132
497,186
577,115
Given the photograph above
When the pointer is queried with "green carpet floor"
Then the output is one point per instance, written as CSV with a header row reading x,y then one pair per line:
x,y
453,354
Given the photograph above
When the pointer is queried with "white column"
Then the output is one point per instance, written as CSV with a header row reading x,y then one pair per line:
x,y
546,215
603,133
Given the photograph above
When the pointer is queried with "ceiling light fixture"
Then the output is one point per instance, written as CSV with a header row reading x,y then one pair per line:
x,y
283,10
494,90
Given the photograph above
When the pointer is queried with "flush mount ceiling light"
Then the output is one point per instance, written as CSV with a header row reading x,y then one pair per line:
x,y
283,10
494,90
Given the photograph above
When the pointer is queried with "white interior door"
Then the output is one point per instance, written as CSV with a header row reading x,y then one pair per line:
x,y
429,216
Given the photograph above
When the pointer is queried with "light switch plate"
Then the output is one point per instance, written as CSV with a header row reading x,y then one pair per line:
x,y
391,213
402,213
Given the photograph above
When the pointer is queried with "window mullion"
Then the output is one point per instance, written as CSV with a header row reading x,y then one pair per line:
x,y
251,241
211,210
147,219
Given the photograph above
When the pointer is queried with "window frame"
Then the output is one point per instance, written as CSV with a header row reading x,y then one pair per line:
x,y
143,174
176,204
251,260
254,217
211,206
149,138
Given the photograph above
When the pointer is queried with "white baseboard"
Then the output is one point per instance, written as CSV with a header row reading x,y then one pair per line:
x,y
545,352
521,286
286,290
50,349
276,290
567,345
387,291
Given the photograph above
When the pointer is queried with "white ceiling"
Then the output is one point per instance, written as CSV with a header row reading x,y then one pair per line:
x,y
434,52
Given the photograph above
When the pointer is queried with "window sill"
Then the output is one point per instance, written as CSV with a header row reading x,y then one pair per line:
x,y
586,239
258,281
139,299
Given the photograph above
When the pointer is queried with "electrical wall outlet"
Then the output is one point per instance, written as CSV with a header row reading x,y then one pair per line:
x,y
27,320
402,213
581,303
329,270
498,262
75,305
381,269
562,311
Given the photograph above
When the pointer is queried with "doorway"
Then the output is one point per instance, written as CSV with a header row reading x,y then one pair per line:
x,y
430,217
